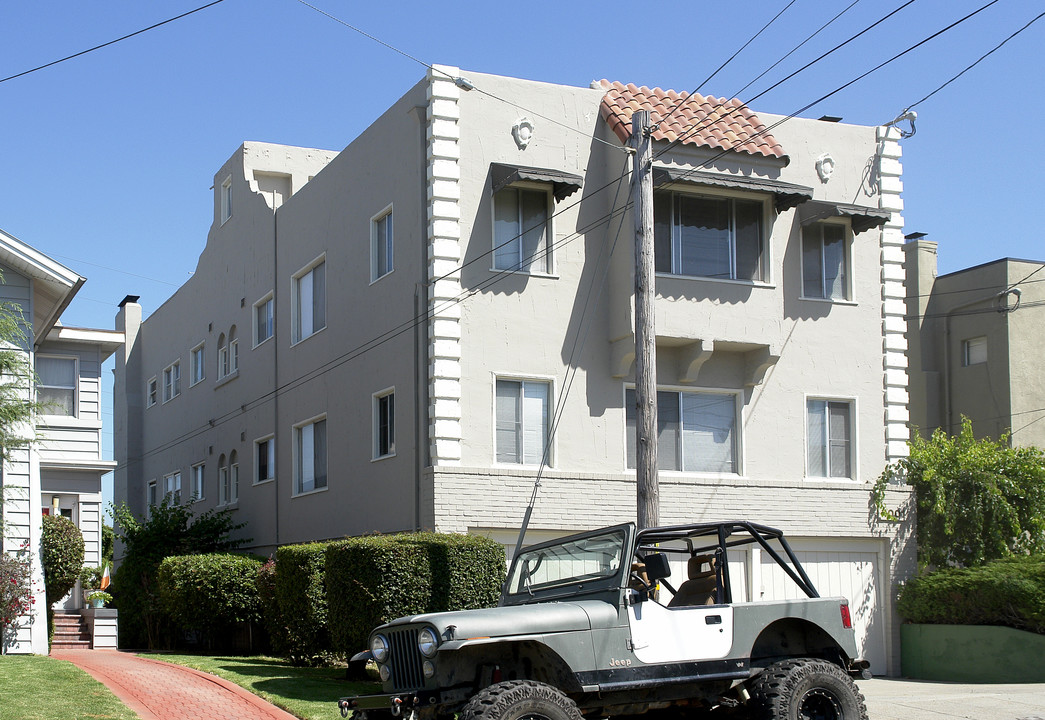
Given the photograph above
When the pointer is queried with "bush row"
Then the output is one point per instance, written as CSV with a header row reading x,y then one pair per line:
x,y
1007,592
320,599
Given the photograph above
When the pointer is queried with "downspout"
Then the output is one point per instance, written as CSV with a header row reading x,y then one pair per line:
x,y
947,375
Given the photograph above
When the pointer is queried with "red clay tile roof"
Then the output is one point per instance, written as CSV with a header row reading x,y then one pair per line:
x,y
721,124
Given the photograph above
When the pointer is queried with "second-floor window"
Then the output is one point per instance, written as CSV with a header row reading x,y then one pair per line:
x,y
381,245
521,230
151,392
56,385
708,236
198,365
172,487
829,438
696,431
265,459
310,301
310,456
974,351
198,482
264,320
384,424
172,381
522,421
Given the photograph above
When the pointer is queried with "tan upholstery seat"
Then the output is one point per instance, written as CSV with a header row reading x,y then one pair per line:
x,y
701,587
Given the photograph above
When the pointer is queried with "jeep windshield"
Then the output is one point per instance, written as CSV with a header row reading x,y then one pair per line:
x,y
572,562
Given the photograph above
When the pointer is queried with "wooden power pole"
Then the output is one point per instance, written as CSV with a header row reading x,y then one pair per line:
x,y
647,484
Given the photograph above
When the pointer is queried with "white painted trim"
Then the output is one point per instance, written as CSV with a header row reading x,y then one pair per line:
x,y
374,424
549,380
254,462
386,212
854,443
295,310
193,380
270,296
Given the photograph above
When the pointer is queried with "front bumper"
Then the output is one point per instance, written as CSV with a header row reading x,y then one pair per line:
x,y
402,704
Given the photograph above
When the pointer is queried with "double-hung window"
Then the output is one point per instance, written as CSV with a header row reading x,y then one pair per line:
x,y
381,245
56,384
172,381
696,431
522,230
310,301
825,261
226,200
223,481
172,487
198,481
264,319
233,477
384,424
265,459
522,421
708,236
198,358
829,438
150,392
310,456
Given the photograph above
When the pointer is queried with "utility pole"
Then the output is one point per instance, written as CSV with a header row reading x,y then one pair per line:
x,y
647,484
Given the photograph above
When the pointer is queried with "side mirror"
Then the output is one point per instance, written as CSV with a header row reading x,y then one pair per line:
x,y
657,567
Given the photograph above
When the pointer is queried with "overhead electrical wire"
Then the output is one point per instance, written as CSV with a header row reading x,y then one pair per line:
x,y
111,42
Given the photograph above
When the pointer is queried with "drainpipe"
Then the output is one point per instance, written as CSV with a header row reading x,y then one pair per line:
x,y
947,375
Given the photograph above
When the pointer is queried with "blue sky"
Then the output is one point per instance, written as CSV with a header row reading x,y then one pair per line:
x,y
108,158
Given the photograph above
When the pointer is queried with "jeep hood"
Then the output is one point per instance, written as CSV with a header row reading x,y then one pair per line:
x,y
518,619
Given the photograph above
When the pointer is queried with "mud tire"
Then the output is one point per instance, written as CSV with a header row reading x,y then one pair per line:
x,y
806,689
520,700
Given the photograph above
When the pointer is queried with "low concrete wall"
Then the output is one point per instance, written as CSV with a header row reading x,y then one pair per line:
x,y
103,625
971,653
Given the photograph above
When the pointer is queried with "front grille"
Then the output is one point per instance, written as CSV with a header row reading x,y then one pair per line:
x,y
405,659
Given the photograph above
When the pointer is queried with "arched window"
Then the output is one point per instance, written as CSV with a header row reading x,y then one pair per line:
x,y
223,356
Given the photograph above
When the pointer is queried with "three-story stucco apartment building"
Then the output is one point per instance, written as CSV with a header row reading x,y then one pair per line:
x,y
61,470
397,335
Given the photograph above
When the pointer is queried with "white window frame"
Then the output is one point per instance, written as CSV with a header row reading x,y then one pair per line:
x,y
223,480
382,247
198,363
152,391
270,301
850,403
172,485
233,347
172,381
297,331
738,431
548,453
199,481
765,235
847,261
152,497
75,386
971,349
378,398
544,258
299,462
226,199
271,460
233,497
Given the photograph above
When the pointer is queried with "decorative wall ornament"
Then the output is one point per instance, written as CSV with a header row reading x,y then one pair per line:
x,y
522,131
825,165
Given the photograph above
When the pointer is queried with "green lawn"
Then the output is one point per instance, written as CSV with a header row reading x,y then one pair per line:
x,y
37,687
308,693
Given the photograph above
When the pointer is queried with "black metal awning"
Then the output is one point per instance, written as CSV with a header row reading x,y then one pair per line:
x,y
861,218
786,195
564,184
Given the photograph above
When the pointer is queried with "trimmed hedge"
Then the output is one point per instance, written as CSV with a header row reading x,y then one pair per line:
x,y
374,579
210,594
301,598
1007,592
61,549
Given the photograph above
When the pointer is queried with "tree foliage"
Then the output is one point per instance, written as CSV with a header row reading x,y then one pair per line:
x,y
171,529
977,500
16,594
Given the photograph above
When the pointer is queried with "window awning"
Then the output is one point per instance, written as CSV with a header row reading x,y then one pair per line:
x,y
564,183
786,195
861,218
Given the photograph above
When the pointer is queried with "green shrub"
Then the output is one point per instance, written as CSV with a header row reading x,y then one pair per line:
x,y
209,594
1007,592
302,601
374,579
61,549
271,616
91,577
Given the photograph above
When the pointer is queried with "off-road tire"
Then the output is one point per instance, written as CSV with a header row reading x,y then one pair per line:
x,y
806,689
520,700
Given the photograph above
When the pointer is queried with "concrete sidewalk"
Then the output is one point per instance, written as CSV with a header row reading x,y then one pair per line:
x,y
896,699
161,691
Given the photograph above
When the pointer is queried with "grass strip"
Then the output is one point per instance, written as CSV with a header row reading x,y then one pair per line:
x,y
38,687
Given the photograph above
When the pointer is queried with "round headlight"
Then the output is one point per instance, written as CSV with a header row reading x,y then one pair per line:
x,y
385,672
428,668
427,642
379,648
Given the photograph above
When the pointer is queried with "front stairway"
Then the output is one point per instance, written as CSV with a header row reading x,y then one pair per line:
x,y
70,632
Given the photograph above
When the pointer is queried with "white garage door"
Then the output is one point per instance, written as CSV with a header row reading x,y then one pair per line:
x,y
849,568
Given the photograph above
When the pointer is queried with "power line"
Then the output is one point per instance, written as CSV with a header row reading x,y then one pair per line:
x,y
111,42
